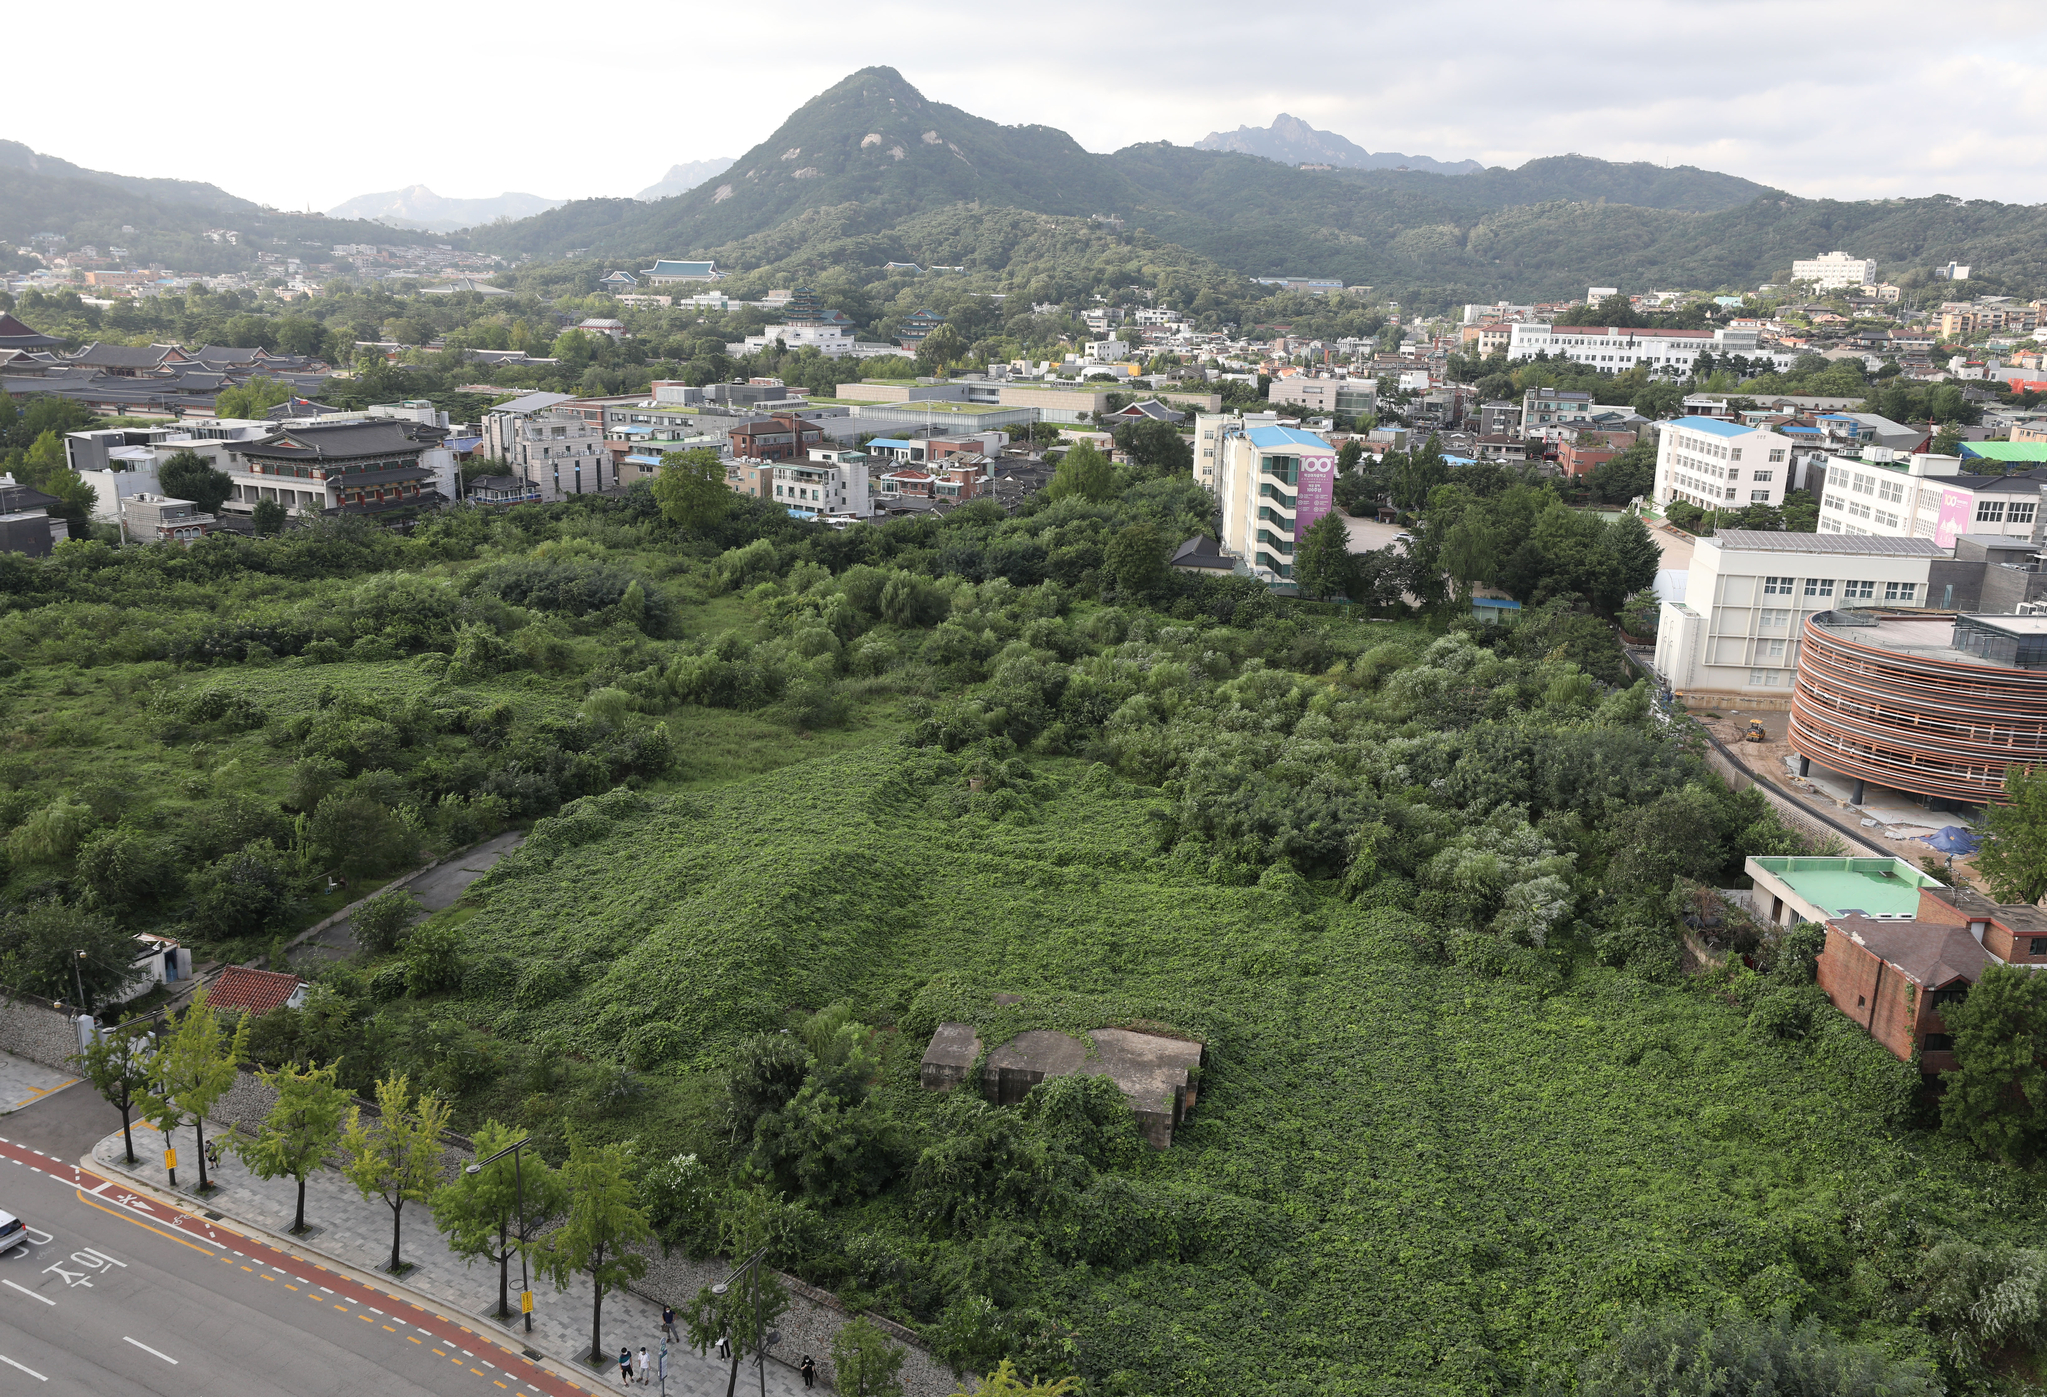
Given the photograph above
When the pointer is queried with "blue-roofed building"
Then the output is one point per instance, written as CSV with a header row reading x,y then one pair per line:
x,y
667,271
1713,463
1274,482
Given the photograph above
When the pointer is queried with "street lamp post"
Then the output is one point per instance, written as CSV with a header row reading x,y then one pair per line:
x,y
750,1268
79,983
519,1184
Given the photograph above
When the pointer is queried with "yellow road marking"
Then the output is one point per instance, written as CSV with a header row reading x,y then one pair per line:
x,y
367,1320
249,1269
389,1329
130,1217
442,1352
342,1308
289,1286
477,1371
415,1339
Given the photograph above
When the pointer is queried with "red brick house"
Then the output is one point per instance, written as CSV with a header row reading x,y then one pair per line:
x,y
1893,977
1578,459
782,437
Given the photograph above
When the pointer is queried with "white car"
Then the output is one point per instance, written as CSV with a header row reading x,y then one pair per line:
x,y
13,1232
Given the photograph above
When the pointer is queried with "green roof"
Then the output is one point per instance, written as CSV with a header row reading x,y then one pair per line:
x,y
2006,450
1877,887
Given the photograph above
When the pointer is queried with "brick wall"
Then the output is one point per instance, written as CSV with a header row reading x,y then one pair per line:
x,y
1870,992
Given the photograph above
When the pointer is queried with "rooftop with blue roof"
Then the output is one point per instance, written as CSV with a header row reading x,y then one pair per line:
x,y
1278,438
1712,426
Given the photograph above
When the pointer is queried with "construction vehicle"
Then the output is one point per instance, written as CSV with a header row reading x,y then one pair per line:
x,y
1755,731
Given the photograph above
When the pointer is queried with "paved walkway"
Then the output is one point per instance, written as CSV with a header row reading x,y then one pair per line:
x,y
440,886
357,1232
23,1083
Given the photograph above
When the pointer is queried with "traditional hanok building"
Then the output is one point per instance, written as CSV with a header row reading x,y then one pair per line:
x,y
346,468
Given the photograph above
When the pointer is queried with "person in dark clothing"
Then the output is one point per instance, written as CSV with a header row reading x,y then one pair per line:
x,y
668,1322
625,1367
809,1371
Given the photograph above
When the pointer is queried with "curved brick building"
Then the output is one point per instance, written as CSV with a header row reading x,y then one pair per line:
x,y
1937,706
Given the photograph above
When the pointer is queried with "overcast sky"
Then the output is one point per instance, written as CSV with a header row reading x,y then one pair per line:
x,y
298,107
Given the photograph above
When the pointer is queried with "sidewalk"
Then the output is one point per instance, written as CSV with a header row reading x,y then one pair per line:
x,y
357,1232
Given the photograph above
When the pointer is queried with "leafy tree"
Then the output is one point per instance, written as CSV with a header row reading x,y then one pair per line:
x,y
190,476
1083,472
1996,1098
116,1062
251,400
1322,563
52,832
2014,857
691,488
1683,1355
1627,476
299,1131
268,516
1005,1380
359,835
253,890
1137,558
1157,446
482,1214
125,868
379,922
597,1234
1348,455
1637,558
864,1362
193,1068
397,1155
40,946
433,959
747,1310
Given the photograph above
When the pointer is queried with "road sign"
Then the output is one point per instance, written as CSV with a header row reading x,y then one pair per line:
x,y
525,1302
170,1159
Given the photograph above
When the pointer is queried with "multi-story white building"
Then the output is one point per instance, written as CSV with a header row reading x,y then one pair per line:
x,y
1748,593
1888,495
1834,270
1618,348
831,481
560,451
1544,408
1716,464
1352,396
1274,482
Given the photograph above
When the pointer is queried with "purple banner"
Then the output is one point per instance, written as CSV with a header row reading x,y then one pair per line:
x,y
1315,495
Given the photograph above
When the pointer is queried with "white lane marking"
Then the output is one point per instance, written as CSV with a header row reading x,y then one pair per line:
x,y
29,1293
30,1371
147,1349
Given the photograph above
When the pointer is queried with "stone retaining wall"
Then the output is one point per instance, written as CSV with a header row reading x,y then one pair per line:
x,y
814,1316
30,1028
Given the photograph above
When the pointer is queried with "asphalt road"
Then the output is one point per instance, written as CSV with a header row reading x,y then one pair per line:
x,y
115,1294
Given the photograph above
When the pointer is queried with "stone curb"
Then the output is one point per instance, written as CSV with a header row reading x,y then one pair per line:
x,y
571,1369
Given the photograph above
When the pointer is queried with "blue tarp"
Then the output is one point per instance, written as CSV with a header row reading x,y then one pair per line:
x,y
1955,839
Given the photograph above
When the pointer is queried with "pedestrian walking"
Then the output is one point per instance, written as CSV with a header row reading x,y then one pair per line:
x,y
641,1364
668,1323
809,1371
724,1346
625,1367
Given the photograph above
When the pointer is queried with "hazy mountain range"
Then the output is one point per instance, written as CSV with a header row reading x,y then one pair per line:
x,y
680,179
1292,141
870,172
416,206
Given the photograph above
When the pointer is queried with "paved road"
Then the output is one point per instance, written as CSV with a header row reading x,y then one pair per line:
x,y
115,1293
438,887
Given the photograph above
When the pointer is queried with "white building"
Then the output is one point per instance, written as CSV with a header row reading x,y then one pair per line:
x,y
1835,270
1716,464
1273,482
560,452
1618,348
832,481
1105,352
1885,494
1749,591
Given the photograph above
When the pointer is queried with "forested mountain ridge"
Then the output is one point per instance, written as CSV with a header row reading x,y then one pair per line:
x,y
1547,229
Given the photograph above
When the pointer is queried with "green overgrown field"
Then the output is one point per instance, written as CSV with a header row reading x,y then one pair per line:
x,y
1404,1174
1479,1114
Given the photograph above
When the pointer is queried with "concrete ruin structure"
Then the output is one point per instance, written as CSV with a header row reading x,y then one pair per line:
x,y
1158,1075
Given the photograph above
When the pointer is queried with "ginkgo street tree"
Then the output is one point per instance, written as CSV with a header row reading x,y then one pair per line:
x,y
300,1129
397,1155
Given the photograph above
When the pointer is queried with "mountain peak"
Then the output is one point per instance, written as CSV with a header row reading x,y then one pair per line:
x,y
1292,141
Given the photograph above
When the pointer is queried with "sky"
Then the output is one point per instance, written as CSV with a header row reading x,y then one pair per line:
x,y
1823,98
